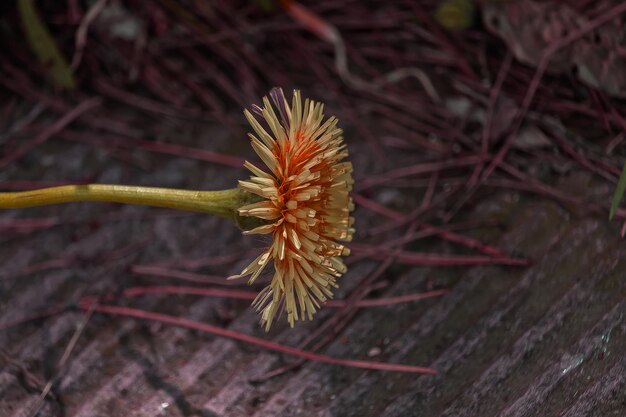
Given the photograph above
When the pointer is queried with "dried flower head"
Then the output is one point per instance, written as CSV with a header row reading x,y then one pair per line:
x,y
305,203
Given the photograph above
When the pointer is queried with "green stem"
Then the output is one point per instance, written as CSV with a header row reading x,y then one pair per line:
x,y
221,203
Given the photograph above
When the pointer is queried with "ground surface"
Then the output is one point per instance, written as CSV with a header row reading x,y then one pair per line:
x,y
541,340
546,339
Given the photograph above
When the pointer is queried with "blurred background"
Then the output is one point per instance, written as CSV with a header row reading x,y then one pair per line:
x,y
487,142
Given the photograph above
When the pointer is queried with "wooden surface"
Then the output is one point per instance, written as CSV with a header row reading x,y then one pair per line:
x,y
544,340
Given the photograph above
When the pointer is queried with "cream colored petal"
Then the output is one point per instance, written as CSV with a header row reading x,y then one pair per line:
x,y
260,230
265,154
256,171
265,137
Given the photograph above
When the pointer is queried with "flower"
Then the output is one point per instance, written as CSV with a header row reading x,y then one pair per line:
x,y
304,203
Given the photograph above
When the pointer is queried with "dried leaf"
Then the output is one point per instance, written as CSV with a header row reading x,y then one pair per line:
x,y
530,27
619,193
44,46
531,137
455,14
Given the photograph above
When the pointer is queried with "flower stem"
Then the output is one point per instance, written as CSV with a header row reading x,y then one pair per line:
x,y
221,203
